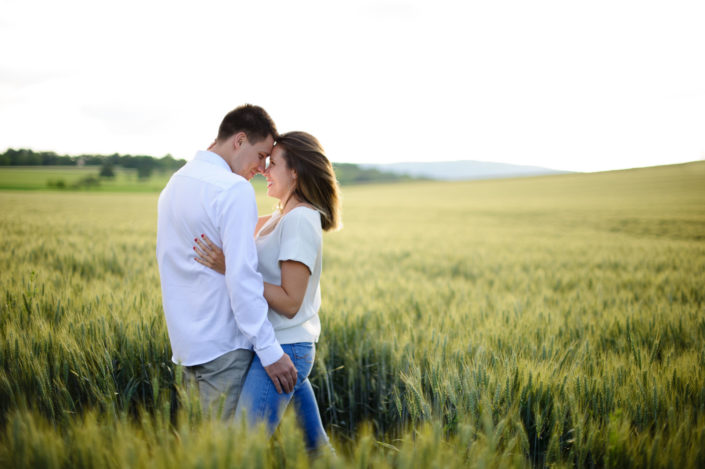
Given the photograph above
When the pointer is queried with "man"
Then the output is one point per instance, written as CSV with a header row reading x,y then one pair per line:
x,y
213,320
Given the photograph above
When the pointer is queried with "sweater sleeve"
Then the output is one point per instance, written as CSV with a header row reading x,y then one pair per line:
x,y
301,237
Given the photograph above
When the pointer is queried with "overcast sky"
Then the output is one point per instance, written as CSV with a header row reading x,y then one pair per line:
x,y
591,85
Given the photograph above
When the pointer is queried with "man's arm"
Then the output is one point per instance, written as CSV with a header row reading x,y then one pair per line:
x,y
237,217
285,299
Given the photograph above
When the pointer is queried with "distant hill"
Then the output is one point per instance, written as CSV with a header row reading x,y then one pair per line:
x,y
459,170
348,173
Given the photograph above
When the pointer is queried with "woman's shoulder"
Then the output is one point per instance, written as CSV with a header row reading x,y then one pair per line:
x,y
303,212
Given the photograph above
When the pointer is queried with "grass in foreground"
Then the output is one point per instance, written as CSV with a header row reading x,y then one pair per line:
x,y
548,321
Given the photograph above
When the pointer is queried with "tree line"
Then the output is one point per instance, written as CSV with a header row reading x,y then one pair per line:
x,y
347,173
144,165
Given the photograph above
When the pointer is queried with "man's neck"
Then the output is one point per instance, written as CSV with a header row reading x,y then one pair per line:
x,y
220,151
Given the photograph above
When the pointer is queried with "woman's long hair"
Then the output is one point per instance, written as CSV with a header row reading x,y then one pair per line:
x,y
315,179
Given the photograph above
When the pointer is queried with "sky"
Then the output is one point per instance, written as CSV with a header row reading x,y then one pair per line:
x,y
581,86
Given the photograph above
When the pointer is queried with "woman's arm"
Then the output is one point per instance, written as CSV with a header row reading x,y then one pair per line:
x,y
287,298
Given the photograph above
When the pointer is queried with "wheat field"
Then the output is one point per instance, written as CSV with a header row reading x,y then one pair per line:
x,y
542,322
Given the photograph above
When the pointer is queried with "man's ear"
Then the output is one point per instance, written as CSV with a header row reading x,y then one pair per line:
x,y
238,139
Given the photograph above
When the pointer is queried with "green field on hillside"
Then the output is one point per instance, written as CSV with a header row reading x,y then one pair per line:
x,y
46,178
539,322
67,177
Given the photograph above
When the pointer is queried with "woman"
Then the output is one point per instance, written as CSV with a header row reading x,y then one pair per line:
x,y
289,248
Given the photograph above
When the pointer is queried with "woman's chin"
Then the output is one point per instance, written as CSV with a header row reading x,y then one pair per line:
x,y
272,195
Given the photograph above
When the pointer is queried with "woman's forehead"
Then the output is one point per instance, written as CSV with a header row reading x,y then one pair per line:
x,y
277,152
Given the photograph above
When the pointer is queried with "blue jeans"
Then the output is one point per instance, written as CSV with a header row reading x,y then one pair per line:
x,y
260,401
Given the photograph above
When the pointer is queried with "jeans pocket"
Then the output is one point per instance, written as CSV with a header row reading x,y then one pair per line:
x,y
304,351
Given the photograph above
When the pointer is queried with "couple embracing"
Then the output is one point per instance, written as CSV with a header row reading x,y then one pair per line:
x,y
242,314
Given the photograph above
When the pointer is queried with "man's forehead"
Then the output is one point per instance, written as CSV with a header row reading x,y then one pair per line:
x,y
265,146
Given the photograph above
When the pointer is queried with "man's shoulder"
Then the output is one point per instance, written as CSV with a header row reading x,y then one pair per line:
x,y
234,194
200,172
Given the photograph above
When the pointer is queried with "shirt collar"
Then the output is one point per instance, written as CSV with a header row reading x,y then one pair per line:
x,y
212,158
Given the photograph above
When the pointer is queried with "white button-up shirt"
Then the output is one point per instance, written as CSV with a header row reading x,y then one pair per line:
x,y
209,314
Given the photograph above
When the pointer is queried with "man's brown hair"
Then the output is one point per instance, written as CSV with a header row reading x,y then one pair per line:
x,y
253,120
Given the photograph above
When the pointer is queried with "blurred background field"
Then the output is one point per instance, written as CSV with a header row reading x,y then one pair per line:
x,y
550,321
142,174
86,178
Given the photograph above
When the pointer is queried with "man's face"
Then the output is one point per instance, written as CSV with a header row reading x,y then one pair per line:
x,y
251,159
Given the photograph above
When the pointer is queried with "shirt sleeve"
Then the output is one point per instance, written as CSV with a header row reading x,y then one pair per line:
x,y
237,216
301,238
